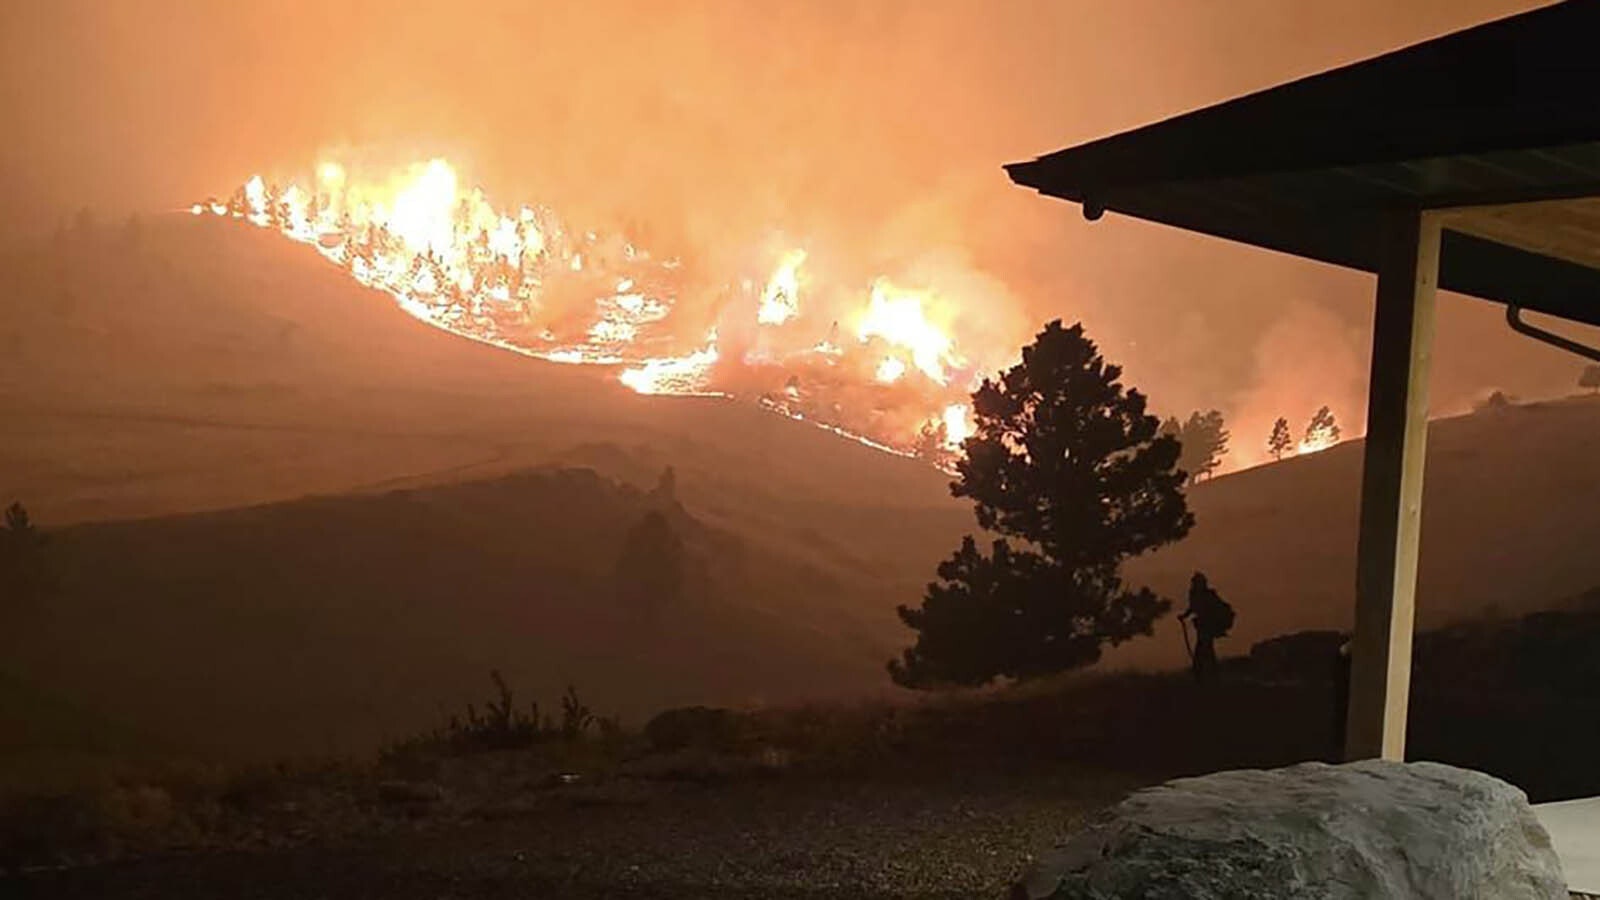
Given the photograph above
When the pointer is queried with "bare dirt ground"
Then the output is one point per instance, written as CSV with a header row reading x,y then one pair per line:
x,y
881,837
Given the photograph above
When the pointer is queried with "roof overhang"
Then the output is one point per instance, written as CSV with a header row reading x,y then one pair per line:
x,y
1497,124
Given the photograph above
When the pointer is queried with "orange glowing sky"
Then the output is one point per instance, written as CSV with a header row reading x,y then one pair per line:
x,y
868,133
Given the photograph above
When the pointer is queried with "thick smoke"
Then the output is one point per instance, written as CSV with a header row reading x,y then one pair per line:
x,y
870,133
1306,359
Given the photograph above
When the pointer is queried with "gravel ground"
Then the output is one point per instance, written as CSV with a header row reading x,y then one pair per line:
x,y
783,838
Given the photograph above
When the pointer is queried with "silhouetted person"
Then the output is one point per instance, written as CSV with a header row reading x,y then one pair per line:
x,y
1212,617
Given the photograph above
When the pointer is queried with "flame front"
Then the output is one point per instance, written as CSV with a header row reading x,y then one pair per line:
x,y
524,280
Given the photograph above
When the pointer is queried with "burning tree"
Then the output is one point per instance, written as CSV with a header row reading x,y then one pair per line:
x,y
1322,431
1065,464
1279,442
239,202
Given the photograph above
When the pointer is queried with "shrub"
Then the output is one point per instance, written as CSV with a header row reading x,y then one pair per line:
x,y
502,726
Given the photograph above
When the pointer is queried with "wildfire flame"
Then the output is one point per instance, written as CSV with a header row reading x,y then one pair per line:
x,y
524,280
780,302
897,316
1315,444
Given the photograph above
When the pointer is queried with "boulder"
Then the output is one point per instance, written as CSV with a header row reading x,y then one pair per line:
x,y
1300,656
692,726
1365,829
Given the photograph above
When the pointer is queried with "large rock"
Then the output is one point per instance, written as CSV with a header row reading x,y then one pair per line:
x,y
1299,656
705,727
1367,829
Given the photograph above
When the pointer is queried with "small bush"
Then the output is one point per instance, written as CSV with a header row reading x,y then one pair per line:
x,y
575,717
502,726
1497,400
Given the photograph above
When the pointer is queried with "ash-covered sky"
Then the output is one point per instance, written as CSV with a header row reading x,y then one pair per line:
x,y
871,132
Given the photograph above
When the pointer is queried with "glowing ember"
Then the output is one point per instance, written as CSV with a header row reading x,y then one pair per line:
x,y
525,281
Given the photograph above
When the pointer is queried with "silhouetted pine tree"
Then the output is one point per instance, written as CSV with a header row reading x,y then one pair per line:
x,y
1065,460
1280,441
666,490
24,573
650,569
1590,378
1204,440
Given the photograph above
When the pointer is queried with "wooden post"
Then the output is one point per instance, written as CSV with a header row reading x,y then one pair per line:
x,y
1391,487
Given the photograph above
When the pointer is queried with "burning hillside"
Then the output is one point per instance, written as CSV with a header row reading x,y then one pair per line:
x,y
886,361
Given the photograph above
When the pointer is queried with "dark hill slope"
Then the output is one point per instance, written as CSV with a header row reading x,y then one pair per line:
x,y
333,623
1511,513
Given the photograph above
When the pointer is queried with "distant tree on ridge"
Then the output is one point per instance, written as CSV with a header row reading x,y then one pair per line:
x,y
1280,441
1322,429
1590,378
24,575
1203,440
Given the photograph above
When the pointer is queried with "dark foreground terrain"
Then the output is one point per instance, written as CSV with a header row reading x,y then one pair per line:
x,y
943,797
957,837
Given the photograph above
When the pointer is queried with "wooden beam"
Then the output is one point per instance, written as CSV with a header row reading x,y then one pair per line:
x,y
1563,229
1391,487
